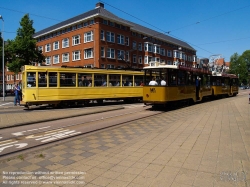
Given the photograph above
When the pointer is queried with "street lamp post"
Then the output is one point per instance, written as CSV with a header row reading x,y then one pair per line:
x,y
1,17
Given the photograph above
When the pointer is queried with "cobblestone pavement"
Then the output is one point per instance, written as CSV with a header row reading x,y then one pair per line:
x,y
206,144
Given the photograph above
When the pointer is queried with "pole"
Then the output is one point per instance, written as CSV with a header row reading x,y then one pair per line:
x,y
1,17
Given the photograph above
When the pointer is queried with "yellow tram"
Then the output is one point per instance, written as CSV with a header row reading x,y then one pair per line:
x,y
181,83
56,85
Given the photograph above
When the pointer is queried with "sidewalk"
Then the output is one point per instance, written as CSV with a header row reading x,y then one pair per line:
x,y
206,144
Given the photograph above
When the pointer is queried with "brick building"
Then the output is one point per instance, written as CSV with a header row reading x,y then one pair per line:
x,y
100,39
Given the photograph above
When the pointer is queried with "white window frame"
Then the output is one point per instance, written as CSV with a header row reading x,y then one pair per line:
x,y
127,58
110,37
47,47
127,41
102,52
140,46
120,53
163,52
134,58
56,45
65,42
17,76
48,60
88,36
40,48
102,35
157,49
140,59
56,59
110,66
65,57
148,47
76,40
110,53
120,39
76,55
169,53
134,44
88,53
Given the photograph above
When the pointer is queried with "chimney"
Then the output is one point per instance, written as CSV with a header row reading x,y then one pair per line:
x,y
98,5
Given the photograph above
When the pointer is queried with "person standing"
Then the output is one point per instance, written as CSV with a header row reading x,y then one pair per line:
x,y
153,82
17,99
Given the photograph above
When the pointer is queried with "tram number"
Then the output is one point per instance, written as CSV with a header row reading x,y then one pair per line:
x,y
152,90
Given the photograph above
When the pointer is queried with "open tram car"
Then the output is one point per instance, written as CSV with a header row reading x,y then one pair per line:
x,y
185,84
54,85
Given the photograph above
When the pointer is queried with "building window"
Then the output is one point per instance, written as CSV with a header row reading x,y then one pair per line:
x,y
110,53
120,39
86,24
157,49
110,66
105,22
120,54
169,53
65,57
76,40
40,48
91,21
88,53
76,55
140,46
134,45
88,36
127,56
169,62
55,59
140,59
102,35
110,37
127,41
17,77
148,47
162,52
56,45
47,48
162,61
48,60
102,66
65,43
134,59
102,52
147,59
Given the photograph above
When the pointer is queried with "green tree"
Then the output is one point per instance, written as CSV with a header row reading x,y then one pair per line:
x,y
238,66
23,50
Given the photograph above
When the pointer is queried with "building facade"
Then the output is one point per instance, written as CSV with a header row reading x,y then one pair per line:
x,y
100,39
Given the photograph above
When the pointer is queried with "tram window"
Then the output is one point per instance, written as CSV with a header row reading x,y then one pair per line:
x,y
84,79
127,80
172,79
31,79
42,79
218,82
181,78
114,80
67,80
139,80
189,79
52,79
100,80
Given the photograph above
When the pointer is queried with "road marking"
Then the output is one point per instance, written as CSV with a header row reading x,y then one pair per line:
x,y
53,135
18,146
6,104
21,132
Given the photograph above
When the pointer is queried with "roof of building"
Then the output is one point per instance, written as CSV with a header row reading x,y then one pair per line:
x,y
99,11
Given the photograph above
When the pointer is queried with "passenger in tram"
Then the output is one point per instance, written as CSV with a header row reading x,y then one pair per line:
x,y
74,80
163,82
90,83
84,81
153,82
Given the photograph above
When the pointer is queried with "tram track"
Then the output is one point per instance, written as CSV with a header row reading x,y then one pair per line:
x,y
28,140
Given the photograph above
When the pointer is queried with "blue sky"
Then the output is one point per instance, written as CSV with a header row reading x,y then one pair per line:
x,y
210,26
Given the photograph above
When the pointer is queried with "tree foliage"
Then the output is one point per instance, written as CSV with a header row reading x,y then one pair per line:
x,y
22,50
240,65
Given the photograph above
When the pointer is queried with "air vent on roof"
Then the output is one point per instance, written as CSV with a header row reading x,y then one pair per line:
x,y
99,5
